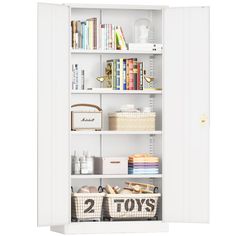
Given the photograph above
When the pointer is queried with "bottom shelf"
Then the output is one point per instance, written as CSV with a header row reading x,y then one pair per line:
x,y
112,227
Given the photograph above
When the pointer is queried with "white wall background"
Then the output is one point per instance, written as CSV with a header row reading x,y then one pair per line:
x,y
18,117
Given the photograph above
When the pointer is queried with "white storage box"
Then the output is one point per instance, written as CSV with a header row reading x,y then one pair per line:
x,y
86,206
131,206
86,119
132,121
111,165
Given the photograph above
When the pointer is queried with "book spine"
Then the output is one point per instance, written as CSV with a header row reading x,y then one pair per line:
x,y
73,77
118,74
114,36
102,36
95,33
110,36
118,38
82,80
73,34
121,74
90,29
98,37
127,74
114,75
124,74
79,33
141,75
131,78
123,38
138,76
135,73
107,36
85,35
78,78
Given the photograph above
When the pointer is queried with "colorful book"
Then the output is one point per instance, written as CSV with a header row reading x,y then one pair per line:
x,y
79,32
127,74
124,74
135,76
114,75
141,75
131,75
121,74
117,74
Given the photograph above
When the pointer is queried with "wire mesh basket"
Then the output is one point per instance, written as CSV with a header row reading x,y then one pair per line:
x,y
86,206
133,121
130,206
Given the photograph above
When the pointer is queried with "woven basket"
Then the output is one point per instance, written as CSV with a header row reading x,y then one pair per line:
x,y
130,206
86,206
132,121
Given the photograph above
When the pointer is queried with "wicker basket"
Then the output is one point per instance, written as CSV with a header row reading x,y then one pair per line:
x,y
132,121
86,206
130,206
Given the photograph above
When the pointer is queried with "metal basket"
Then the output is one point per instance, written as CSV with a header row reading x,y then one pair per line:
x,y
86,206
130,206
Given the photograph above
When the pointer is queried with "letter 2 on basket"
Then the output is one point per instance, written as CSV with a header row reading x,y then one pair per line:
x,y
128,205
90,203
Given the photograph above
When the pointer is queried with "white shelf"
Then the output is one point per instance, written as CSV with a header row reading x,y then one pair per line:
x,y
85,51
114,132
116,176
104,227
100,91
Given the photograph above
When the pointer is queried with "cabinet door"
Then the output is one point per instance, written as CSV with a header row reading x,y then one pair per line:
x,y
186,115
53,114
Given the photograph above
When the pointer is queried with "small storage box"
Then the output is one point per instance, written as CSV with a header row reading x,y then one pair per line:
x,y
111,165
86,206
130,206
132,121
86,120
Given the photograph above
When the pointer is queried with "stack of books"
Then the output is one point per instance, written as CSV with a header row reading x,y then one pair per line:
x,y
143,164
77,78
126,74
111,37
90,35
84,34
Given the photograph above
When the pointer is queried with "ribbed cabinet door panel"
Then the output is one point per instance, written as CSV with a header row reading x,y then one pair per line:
x,y
186,115
53,114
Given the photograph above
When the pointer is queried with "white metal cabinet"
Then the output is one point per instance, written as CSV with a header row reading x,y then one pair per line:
x,y
53,114
185,115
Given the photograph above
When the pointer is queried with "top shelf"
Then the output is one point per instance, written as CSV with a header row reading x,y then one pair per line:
x,y
84,51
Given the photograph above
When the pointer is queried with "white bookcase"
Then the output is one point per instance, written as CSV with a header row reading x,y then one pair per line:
x,y
181,137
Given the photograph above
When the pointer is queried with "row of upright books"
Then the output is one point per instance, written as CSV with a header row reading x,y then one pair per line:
x,y
77,78
126,74
143,164
90,35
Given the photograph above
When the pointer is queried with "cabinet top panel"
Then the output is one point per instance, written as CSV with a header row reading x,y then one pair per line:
x,y
116,6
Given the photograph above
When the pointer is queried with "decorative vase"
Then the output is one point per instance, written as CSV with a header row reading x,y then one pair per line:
x,y
142,28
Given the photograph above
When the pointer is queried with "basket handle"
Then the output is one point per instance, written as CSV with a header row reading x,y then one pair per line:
x,y
87,105
100,189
